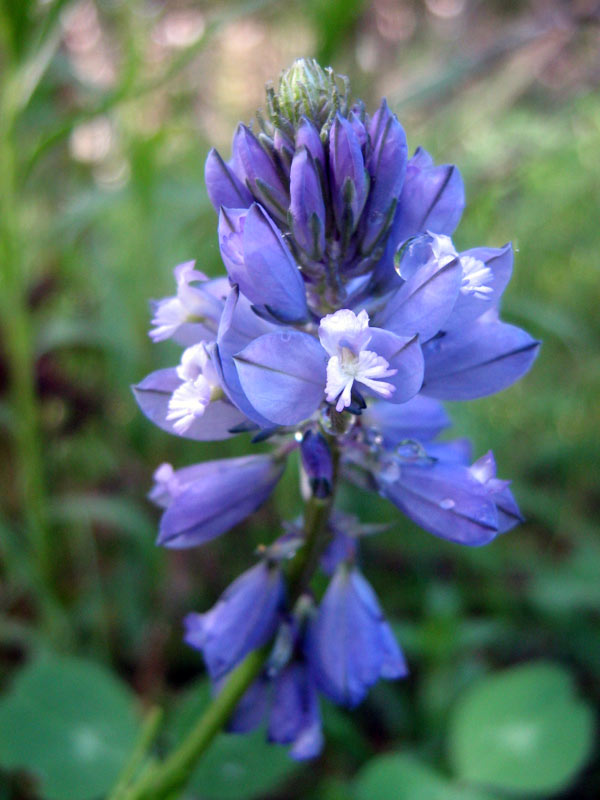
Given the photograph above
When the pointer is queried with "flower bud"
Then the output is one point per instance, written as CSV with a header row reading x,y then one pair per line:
x,y
316,460
306,89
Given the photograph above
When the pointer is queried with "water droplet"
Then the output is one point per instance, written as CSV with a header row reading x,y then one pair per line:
x,y
447,503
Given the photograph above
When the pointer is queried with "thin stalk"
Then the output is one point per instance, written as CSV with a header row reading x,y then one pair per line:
x,y
172,774
18,340
316,516
159,781
133,763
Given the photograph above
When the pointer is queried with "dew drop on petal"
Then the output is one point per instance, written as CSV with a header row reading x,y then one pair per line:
x,y
447,503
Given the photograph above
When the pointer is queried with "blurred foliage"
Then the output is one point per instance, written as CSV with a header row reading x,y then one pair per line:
x,y
521,730
71,723
108,111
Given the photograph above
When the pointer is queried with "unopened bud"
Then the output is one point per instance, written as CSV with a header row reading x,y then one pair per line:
x,y
308,90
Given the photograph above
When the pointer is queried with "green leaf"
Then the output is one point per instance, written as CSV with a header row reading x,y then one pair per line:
x,y
522,730
236,766
404,777
69,722
572,585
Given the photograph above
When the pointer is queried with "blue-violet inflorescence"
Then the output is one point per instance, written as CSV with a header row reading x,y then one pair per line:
x,y
345,317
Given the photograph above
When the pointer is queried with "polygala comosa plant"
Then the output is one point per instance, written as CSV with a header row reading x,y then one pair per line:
x,y
346,315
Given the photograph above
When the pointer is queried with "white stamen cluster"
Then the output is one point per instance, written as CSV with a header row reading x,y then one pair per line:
x,y
200,385
172,312
345,335
476,275
166,485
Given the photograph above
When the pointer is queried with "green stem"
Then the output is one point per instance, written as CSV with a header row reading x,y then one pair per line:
x,y
159,781
315,522
316,515
133,763
18,337
173,773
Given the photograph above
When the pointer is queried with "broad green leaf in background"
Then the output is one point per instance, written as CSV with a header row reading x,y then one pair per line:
x,y
404,777
69,722
521,730
235,767
572,585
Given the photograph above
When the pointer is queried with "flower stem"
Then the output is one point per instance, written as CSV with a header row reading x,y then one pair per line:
x,y
162,780
146,739
19,345
316,516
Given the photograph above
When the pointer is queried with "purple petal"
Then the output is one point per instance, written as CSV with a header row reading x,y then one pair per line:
x,y
393,664
238,327
444,499
349,178
256,169
295,717
153,395
404,355
433,198
284,147
307,208
252,708
169,483
283,375
224,493
239,324
342,547
355,118
424,302
231,242
484,470
456,451
349,644
272,279
469,306
244,618
486,357
310,740
222,184
509,514
317,463
329,645
308,136
420,418
387,167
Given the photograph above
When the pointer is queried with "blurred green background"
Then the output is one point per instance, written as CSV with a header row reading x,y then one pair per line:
x,y
108,109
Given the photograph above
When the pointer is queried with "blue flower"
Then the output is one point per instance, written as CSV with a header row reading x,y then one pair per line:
x,y
345,317
285,696
214,496
344,278
193,313
317,463
349,644
295,718
443,494
245,617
